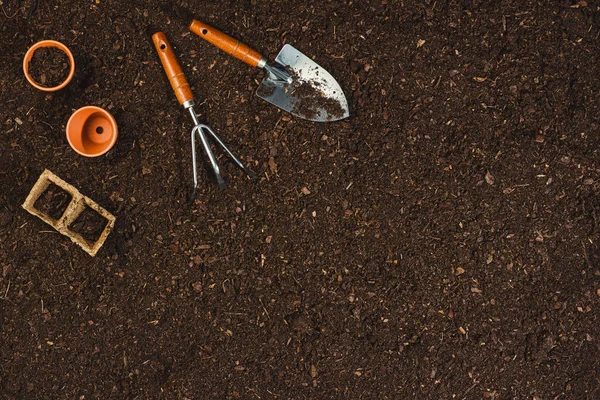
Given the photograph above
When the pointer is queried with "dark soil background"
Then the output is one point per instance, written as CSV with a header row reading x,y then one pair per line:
x,y
443,242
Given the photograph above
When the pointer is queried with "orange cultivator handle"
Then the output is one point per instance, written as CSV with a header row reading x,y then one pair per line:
x,y
226,43
172,68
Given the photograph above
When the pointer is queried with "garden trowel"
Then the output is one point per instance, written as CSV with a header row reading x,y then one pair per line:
x,y
294,82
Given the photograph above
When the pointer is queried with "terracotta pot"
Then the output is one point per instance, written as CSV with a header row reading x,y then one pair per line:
x,y
91,131
48,43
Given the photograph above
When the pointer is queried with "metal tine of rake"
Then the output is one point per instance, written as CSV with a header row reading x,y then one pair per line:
x,y
200,129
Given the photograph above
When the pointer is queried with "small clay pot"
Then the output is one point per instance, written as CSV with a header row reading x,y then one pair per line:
x,y
91,131
29,56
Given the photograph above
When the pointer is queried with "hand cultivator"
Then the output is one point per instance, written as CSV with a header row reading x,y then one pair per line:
x,y
186,99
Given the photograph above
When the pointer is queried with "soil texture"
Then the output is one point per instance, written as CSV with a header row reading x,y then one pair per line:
x,y
311,100
49,66
89,224
53,201
443,242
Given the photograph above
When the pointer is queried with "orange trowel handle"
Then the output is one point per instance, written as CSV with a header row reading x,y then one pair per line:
x,y
172,68
226,43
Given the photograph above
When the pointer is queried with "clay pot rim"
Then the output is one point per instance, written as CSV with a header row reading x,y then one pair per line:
x,y
108,116
29,56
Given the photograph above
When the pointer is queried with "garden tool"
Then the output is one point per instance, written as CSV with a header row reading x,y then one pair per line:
x,y
186,99
294,82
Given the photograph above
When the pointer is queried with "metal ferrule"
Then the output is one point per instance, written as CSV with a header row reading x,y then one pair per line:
x,y
262,63
188,104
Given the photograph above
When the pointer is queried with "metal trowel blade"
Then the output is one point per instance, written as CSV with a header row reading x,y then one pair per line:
x,y
313,93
